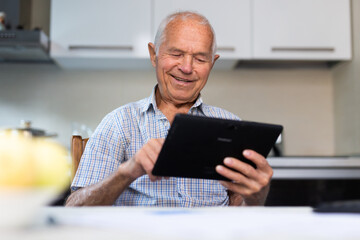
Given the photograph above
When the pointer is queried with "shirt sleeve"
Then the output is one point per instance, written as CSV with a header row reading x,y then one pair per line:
x,y
102,155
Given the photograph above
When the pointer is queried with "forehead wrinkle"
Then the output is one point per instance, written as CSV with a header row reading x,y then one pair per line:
x,y
175,49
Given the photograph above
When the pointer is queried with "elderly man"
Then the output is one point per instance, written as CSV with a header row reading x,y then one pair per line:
x,y
116,166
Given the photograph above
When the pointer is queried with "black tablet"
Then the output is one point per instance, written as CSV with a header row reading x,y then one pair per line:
x,y
195,145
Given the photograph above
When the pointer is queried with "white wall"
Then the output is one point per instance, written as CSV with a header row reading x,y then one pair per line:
x,y
300,99
347,94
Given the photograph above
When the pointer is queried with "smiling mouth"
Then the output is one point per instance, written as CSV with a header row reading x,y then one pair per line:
x,y
182,79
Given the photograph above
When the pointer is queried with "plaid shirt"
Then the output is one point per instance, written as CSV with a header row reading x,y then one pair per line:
x,y
121,134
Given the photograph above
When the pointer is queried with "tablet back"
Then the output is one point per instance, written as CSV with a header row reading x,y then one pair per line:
x,y
195,145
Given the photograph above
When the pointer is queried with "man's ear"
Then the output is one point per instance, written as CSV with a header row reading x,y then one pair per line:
x,y
216,57
152,54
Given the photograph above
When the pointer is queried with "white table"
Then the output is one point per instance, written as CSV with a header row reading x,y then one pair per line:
x,y
104,223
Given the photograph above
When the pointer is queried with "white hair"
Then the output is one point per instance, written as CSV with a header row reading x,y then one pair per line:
x,y
160,35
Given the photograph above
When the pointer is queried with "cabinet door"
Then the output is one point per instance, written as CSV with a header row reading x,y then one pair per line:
x,y
107,28
303,30
229,18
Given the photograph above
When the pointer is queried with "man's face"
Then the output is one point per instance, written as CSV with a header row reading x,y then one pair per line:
x,y
184,61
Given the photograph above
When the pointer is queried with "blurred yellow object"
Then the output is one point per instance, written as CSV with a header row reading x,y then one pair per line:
x,y
33,171
32,162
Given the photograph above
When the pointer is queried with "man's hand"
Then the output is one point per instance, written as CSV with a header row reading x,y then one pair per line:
x,y
144,160
109,189
249,183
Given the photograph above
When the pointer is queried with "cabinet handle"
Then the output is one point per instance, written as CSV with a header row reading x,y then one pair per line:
x,y
226,49
303,49
92,47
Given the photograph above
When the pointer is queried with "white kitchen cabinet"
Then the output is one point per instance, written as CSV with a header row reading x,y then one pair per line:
x,y
100,34
229,18
301,30
114,34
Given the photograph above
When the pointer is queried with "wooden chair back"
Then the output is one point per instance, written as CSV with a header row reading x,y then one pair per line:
x,y
77,148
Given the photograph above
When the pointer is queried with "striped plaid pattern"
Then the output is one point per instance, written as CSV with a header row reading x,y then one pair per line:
x,y
121,134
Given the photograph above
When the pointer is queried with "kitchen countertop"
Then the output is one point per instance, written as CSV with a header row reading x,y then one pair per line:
x,y
303,167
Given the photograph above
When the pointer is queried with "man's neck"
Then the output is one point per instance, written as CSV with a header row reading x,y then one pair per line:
x,y
170,109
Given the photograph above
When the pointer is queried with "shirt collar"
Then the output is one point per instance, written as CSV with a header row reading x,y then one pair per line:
x,y
151,101
198,102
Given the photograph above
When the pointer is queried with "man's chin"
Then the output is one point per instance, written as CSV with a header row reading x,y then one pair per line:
x,y
181,100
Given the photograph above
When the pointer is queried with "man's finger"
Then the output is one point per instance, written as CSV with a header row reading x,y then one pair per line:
x,y
256,158
241,167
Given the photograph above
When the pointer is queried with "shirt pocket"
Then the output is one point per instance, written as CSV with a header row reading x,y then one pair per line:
x,y
202,192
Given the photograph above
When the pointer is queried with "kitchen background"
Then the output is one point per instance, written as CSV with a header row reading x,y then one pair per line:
x,y
318,103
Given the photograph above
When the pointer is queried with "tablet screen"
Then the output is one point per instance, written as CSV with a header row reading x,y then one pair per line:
x,y
195,145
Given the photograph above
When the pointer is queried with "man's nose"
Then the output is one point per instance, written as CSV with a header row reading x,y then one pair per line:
x,y
186,65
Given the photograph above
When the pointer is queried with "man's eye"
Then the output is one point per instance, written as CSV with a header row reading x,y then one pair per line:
x,y
200,60
176,55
